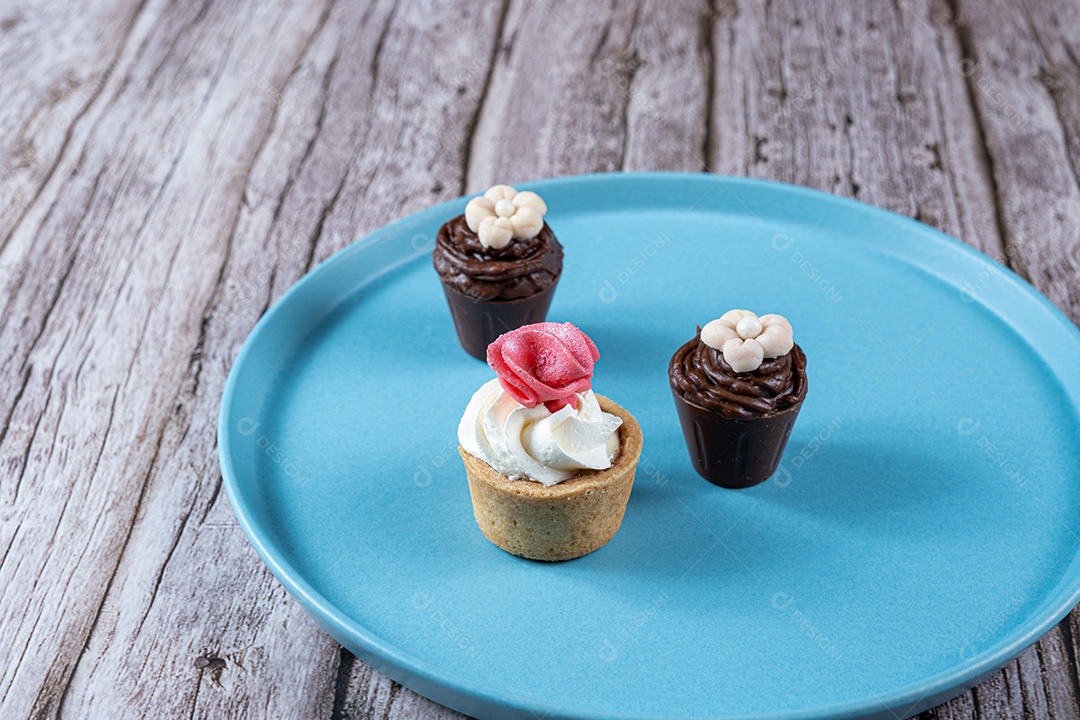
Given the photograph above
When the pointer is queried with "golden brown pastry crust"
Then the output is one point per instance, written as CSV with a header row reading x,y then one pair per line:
x,y
562,521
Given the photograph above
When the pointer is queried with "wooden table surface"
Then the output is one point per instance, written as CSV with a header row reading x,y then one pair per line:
x,y
168,168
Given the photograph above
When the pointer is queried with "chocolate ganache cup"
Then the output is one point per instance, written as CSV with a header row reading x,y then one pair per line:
x,y
738,387
499,264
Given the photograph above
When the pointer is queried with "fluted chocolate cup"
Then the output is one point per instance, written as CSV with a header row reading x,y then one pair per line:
x,y
737,452
493,291
479,322
734,453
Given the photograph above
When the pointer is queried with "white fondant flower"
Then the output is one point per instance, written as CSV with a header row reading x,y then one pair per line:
x,y
745,339
503,214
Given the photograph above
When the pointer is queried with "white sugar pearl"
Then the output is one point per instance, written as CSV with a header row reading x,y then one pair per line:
x,y
748,327
505,208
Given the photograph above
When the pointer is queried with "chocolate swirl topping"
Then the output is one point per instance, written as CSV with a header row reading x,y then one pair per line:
x,y
700,374
523,268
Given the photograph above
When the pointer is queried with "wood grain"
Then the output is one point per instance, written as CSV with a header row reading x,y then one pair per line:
x,y
862,100
169,168
1022,70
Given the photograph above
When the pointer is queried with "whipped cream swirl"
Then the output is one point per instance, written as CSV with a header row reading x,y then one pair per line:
x,y
535,443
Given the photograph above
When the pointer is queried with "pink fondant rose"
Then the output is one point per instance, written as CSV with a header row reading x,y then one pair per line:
x,y
544,363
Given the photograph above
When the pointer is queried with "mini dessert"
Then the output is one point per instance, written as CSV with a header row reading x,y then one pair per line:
x,y
738,387
550,464
499,264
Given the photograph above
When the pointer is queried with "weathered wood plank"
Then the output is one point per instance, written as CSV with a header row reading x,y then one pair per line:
x,y
279,128
56,73
859,99
1022,69
171,168
666,73
63,77
521,132
148,207
603,102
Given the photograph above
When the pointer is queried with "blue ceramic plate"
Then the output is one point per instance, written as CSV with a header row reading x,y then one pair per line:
x,y
921,531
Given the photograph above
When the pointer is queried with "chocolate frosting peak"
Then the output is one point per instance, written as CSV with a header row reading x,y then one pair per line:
x,y
700,374
523,268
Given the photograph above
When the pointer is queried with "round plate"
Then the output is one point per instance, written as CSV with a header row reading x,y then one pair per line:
x,y
921,530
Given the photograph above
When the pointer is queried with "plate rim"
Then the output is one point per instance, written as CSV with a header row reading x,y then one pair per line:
x,y
461,693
